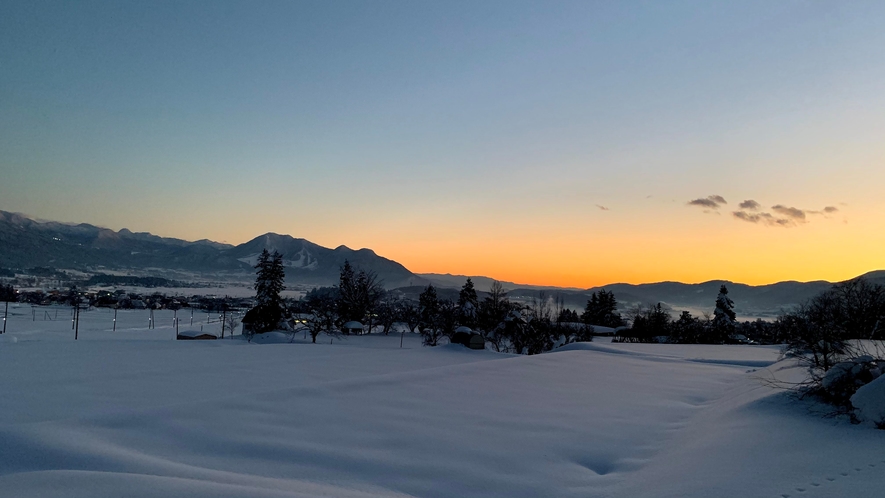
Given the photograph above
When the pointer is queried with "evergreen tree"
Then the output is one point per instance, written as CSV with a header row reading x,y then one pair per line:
x,y
648,324
269,283
723,323
468,304
346,285
429,306
687,329
7,293
602,309
359,294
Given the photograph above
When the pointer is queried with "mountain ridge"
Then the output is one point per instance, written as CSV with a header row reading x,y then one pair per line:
x,y
28,243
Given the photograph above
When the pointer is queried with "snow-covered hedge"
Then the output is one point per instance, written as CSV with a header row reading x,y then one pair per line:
x,y
846,377
869,402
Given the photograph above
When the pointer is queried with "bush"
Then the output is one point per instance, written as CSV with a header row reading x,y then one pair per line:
x,y
869,402
844,379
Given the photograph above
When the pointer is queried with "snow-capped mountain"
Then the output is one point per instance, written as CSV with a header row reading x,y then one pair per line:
x,y
27,243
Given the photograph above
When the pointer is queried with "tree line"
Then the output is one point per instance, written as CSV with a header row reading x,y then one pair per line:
x,y
505,325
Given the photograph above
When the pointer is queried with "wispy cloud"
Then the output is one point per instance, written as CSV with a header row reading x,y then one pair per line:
x,y
781,215
601,207
764,219
750,204
750,211
790,212
709,202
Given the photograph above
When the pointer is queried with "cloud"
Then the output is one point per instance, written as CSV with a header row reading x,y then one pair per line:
x,y
750,211
764,219
709,202
601,207
789,212
750,204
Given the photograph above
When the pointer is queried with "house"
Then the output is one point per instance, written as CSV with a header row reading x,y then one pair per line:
x,y
352,327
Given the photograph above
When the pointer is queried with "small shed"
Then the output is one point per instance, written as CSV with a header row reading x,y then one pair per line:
x,y
195,335
476,342
468,338
352,327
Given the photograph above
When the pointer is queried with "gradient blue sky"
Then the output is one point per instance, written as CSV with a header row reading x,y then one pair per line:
x,y
467,137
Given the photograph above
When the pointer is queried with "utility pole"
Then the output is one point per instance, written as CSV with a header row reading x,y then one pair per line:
x,y
77,321
5,314
115,319
223,318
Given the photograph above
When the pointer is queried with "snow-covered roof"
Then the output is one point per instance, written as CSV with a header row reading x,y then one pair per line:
x,y
464,329
195,333
353,325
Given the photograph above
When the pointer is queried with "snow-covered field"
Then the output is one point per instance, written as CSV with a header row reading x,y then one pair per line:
x,y
135,413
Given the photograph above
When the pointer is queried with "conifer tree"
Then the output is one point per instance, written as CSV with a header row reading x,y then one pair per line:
x,y
468,304
602,309
269,283
723,317
429,306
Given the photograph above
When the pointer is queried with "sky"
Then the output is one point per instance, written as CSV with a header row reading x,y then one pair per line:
x,y
559,143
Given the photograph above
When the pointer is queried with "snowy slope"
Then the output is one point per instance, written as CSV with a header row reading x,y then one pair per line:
x,y
107,416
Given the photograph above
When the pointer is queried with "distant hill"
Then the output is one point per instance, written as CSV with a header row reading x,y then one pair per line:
x,y
310,263
750,301
27,243
481,283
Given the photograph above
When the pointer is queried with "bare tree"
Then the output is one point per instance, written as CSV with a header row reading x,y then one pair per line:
x,y
410,314
323,316
232,322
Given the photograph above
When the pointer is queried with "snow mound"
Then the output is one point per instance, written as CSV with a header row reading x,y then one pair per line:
x,y
869,402
8,339
844,379
195,333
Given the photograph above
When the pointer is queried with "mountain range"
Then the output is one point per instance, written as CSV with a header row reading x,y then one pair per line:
x,y
26,243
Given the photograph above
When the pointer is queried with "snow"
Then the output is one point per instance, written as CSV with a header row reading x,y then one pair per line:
x,y
869,402
304,260
195,333
136,413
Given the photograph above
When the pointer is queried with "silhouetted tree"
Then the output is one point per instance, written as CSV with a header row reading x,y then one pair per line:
x,y
822,327
468,304
723,324
648,325
269,283
323,314
389,312
602,309
687,329
359,293
410,314
429,306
